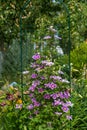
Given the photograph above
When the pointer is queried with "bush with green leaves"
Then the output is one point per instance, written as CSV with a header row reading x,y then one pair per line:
x,y
47,89
11,118
45,103
79,59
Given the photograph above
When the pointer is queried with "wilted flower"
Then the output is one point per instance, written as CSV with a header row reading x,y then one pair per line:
x,y
25,72
60,72
34,65
36,112
69,117
47,63
59,50
2,104
57,37
42,77
30,107
58,113
10,97
52,29
36,82
68,103
64,81
19,106
47,37
56,77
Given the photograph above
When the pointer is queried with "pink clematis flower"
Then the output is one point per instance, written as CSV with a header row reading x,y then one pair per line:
x,y
36,56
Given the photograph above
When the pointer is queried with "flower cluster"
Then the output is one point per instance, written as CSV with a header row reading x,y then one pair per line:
x,y
51,85
45,89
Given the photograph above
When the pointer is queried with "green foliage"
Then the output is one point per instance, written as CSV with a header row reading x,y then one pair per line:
x,y
38,15
79,58
18,119
25,118
12,60
79,97
78,16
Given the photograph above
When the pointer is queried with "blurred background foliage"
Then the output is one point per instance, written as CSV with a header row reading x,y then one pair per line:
x,y
36,18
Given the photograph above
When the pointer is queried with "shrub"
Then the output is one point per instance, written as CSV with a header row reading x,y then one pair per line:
x,y
45,102
79,97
